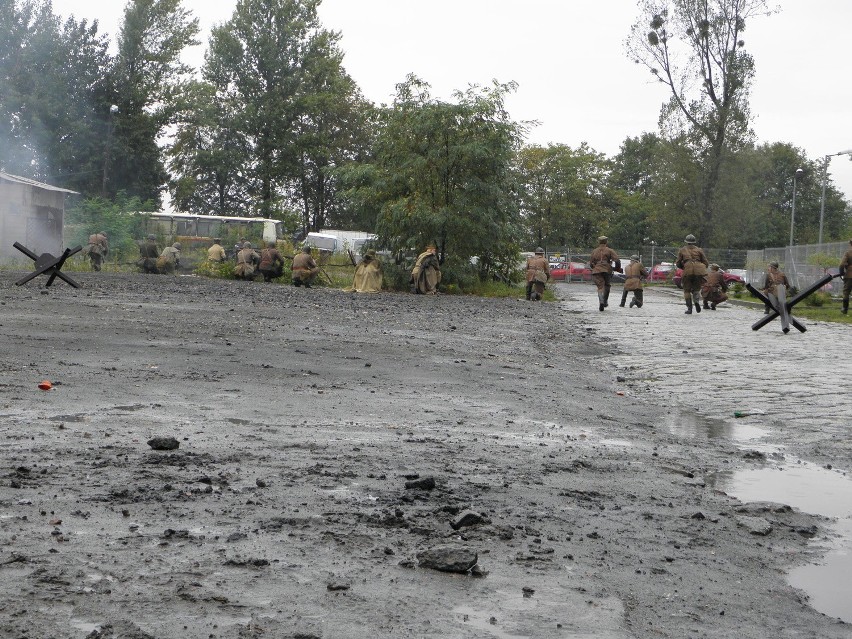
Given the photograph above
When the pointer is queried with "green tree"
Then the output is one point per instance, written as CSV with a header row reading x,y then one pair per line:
x,y
145,83
695,48
442,172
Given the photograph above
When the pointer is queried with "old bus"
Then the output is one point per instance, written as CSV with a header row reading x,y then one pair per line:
x,y
190,227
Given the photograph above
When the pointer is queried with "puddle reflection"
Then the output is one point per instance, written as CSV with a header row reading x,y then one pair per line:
x,y
691,424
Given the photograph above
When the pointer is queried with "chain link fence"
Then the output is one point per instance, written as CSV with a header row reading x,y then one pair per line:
x,y
803,264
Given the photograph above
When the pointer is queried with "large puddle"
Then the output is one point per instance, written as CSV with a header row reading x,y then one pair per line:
x,y
818,491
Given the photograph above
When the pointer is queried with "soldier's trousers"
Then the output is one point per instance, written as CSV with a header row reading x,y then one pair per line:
x,y
692,287
603,282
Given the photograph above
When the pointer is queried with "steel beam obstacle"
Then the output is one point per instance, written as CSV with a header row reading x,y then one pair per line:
x,y
784,307
47,264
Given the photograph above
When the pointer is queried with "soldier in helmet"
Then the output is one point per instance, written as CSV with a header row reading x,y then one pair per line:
x,y
538,272
603,261
271,263
247,262
216,252
169,259
97,249
426,274
305,269
368,274
148,254
694,263
846,275
774,278
715,288
634,275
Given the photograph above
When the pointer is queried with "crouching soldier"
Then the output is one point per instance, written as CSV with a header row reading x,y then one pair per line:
x,y
271,263
148,254
169,259
97,249
714,288
774,278
634,275
305,269
247,261
538,272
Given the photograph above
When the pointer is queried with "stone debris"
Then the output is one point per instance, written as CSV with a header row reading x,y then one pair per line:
x,y
755,525
163,443
467,518
448,559
425,483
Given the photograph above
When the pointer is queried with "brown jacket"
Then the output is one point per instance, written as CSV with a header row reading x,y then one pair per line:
x,y
269,259
773,280
98,244
634,274
602,258
534,264
715,279
692,260
303,263
846,265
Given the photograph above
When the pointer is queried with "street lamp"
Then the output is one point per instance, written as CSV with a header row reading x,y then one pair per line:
x,y
797,174
826,160
113,109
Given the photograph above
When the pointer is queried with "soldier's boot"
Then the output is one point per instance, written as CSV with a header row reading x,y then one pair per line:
x,y
706,305
688,307
632,303
601,302
713,306
696,304
624,300
845,309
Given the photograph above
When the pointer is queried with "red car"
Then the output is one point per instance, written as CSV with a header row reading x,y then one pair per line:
x,y
577,271
660,272
730,278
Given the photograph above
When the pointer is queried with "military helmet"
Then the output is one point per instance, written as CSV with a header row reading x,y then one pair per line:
x,y
103,233
634,258
306,249
690,239
151,236
216,240
246,244
539,251
773,264
603,239
370,253
270,244
714,267
176,245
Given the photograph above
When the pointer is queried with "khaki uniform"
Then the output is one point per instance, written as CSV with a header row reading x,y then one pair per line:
x,y
774,279
216,253
148,254
368,275
536,265
846,274
305,270
169,260
426,274
271,264
694,263
600,262
97,250
634,275
714,289
247,261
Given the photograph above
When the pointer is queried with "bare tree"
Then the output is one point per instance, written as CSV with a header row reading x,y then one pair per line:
x,y
695,48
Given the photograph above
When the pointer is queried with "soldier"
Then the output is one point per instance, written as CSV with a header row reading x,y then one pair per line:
x,y
169,259
694,263
216,252
846,275
603,261
774,279
247,261
635,275
148,254
305,269
368,274
426,274
97,249
271,263
714,288
538,272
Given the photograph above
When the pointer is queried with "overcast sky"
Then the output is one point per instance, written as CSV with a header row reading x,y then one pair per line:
x,y
568,59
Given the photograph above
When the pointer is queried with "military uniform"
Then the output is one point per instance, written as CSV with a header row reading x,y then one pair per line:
x,y
694,263
368,274
148,254
247,261
714,289
271,263
305,269
634,275
774,279
601,262
846,274
97,249
536,266
216,253
426,274
169,259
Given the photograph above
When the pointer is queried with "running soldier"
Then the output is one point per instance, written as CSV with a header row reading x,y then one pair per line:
x,y
97,249
774,278
603,261
538,272
694,263
635,275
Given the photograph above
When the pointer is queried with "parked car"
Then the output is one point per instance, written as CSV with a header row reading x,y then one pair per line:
x,y
729,277
576,271
660,272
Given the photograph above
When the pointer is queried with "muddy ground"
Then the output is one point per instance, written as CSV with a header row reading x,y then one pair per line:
x,y
303,416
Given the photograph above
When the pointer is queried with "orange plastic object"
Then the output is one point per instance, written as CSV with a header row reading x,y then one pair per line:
x,y
45,385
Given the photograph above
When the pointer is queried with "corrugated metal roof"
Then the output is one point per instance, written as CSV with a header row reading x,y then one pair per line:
x,y
29,182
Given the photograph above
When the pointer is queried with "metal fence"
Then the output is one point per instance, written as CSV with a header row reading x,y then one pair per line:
x,y
803,264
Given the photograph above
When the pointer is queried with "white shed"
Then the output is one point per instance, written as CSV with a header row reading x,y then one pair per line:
x,y
32,214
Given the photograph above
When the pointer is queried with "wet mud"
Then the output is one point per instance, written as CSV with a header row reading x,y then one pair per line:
x,y
298,501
